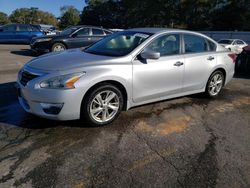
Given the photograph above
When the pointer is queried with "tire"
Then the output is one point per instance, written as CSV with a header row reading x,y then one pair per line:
x,y
213,89
96,109
57,47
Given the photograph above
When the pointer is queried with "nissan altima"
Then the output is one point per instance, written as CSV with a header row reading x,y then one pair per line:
x,y
123,70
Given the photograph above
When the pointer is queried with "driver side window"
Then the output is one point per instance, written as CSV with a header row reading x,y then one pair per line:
x,y
165,45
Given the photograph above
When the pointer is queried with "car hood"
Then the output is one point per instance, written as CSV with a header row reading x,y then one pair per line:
x,y
68,59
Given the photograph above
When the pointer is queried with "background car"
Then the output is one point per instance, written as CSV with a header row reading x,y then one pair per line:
x,y
72,37
19,33
243,60
234,45
47,29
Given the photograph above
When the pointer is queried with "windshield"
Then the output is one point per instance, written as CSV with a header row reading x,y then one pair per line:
x,y
225,41
118,44
68,31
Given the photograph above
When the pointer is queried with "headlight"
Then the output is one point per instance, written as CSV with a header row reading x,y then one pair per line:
x,y
62,82
43,40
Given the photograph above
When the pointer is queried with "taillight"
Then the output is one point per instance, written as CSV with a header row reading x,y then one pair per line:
x,y
233,57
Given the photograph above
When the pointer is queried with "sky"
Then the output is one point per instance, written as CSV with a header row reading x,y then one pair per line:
x,y
52,6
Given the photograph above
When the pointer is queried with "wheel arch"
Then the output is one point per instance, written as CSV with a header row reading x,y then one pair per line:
x,y
118,84
222,70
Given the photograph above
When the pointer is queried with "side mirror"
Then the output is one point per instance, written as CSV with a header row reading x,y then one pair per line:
x,y
150,55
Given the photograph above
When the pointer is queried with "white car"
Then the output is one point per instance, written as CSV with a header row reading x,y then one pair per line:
x,y
234,45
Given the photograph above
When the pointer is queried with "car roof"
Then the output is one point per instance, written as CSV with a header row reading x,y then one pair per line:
x,y
80,26
154,30
231,39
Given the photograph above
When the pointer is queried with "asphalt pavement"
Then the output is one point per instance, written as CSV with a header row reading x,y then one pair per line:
x,y
185,142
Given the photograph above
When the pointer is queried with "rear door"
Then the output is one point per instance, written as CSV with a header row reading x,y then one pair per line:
x,y
8,34
80,38
200,58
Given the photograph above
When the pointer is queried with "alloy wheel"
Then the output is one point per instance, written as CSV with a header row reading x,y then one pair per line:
x,y
215,84
58,48
104,106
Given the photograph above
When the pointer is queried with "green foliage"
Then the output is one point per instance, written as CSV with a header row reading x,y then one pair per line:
x,y
188,14
32,16
3,18
70,16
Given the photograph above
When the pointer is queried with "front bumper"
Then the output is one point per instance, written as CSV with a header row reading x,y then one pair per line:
x,y
40,47
33,100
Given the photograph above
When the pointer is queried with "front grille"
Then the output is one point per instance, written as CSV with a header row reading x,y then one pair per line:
x,y
26,77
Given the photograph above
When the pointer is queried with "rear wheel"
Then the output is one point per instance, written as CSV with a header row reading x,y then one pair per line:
x,y
102,105
57,47
215,84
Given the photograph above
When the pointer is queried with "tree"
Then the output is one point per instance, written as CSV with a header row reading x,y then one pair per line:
x,y
232,15
32,16
70,16
187,14
103,13
4,18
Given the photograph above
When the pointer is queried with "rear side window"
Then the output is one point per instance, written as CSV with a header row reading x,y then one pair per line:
x,y
195,44
239,42
24,28
9,28
97,32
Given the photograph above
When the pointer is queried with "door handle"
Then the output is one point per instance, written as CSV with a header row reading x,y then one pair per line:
x,y
178,63
210,58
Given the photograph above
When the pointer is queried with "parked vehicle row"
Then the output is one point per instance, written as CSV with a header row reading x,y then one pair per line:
x,y
123,70
44,39
72,37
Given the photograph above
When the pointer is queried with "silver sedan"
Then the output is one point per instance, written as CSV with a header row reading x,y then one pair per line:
x,y
127,69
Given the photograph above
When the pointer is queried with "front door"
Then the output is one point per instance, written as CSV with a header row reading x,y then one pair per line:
x,y
156,79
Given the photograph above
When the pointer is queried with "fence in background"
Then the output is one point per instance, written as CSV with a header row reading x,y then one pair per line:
x,y
217,35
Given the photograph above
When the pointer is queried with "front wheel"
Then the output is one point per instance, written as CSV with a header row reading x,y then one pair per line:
x,y
57,47
215,84
102,105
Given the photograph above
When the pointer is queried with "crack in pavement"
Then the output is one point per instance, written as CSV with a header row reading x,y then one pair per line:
x,y
158,154
204,167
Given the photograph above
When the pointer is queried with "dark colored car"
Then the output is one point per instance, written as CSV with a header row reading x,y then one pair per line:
x,y
19,33
243,60
72,37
